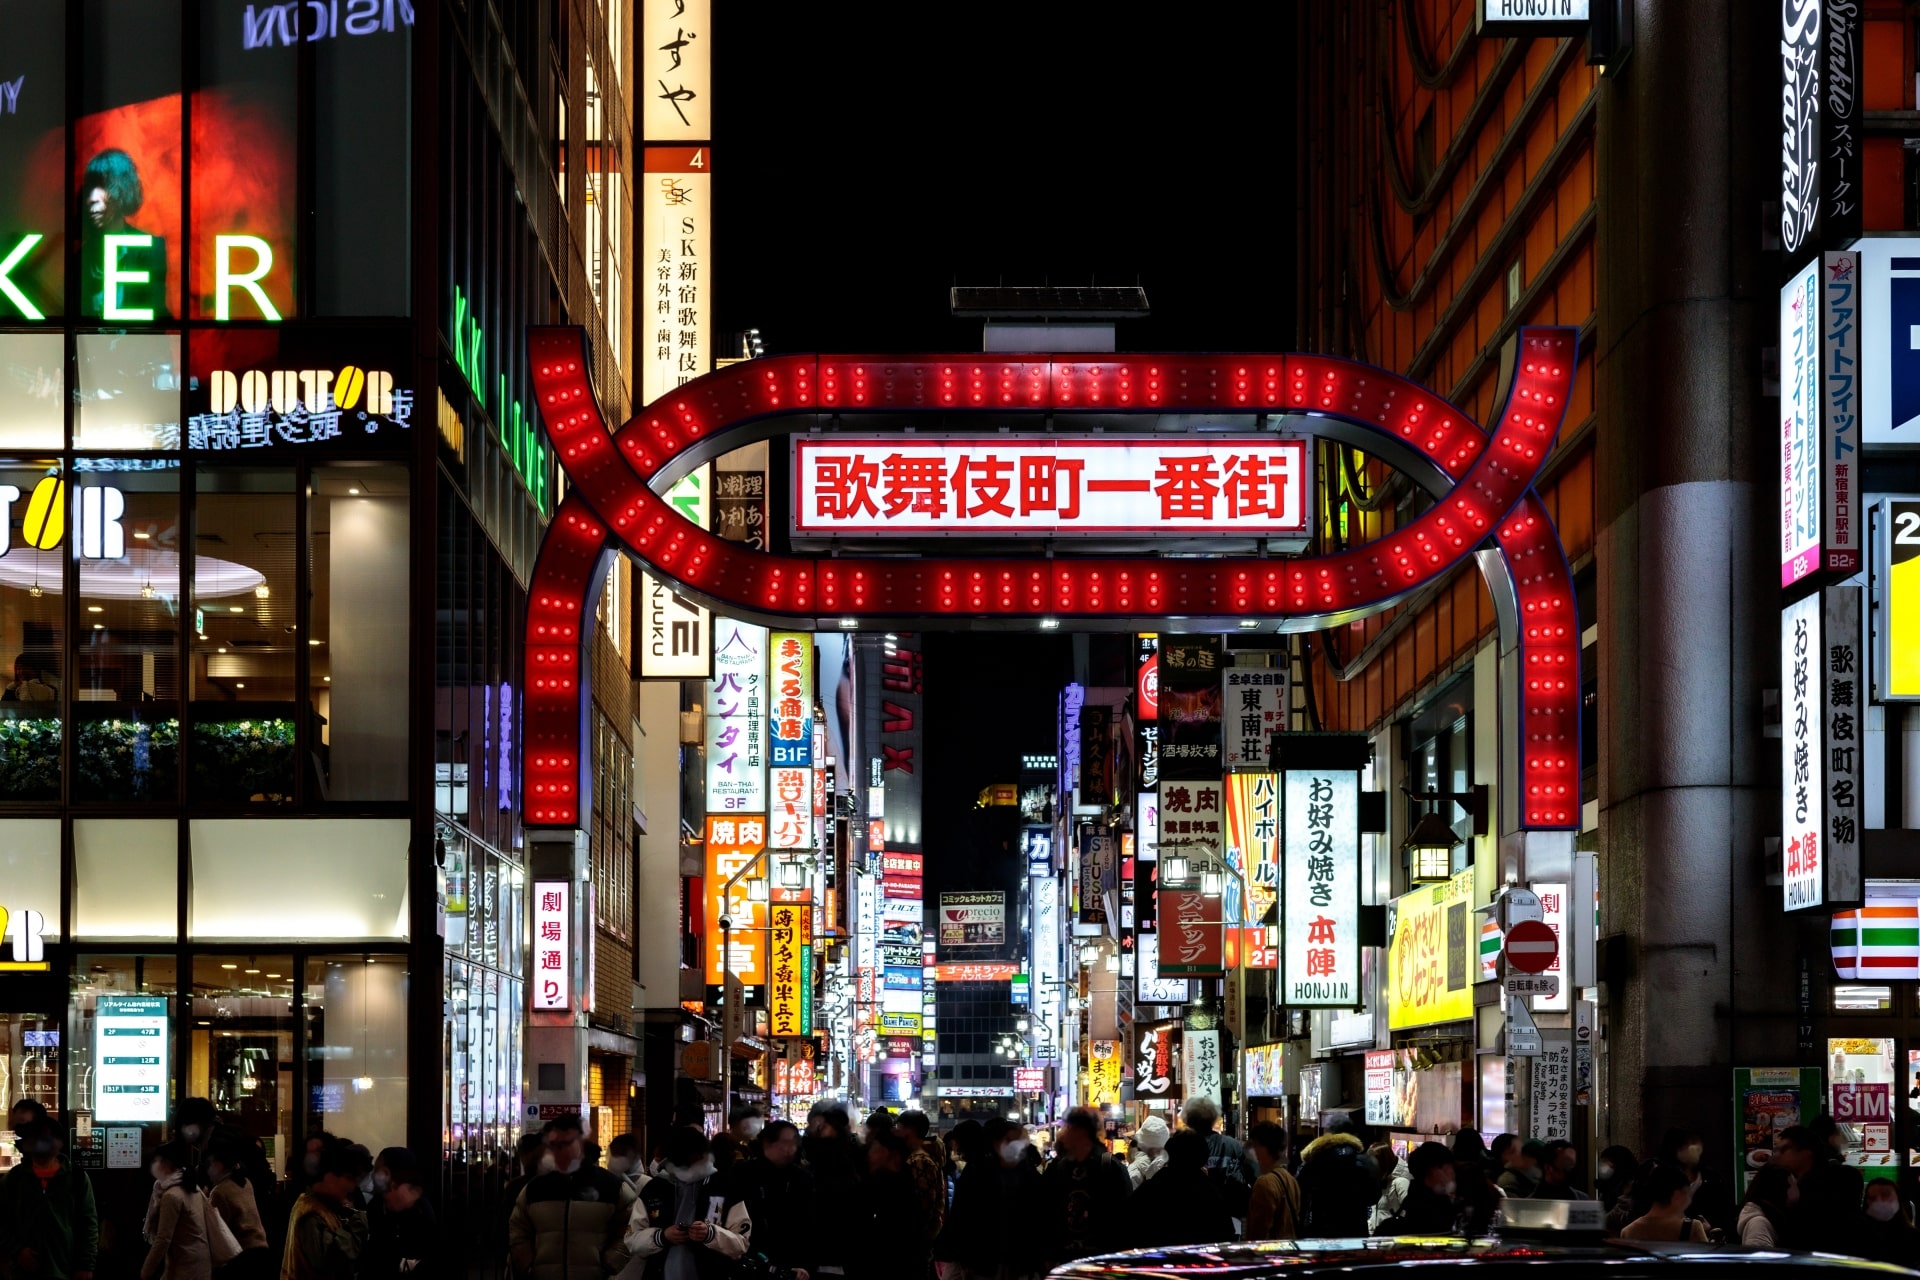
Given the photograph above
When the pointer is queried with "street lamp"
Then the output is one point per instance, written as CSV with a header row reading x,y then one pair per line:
x,y
1430,848
793,873
1175,869
1210,882
757,889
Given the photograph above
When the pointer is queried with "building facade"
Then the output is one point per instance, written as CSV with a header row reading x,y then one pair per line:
x,y
273,493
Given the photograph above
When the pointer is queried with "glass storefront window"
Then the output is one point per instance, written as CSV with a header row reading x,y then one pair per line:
x,y
127,174
245,175
360,573
258,879
356,1015
240,1044
95,976
1860,1087
244,635
32,633
29,1068
30,874
126,669
33,149
126,878
127,391
32,387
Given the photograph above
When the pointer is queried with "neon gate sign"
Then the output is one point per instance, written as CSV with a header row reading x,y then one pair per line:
x,y
1482,484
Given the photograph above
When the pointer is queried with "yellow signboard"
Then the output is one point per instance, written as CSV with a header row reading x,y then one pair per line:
x,y
788,963
1900,536
1431,963
1103,1073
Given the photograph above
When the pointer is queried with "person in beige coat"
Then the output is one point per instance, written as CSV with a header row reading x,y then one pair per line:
x,y
230,1194
180,1249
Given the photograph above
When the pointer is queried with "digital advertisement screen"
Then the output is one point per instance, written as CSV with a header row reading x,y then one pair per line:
x,y
130,1059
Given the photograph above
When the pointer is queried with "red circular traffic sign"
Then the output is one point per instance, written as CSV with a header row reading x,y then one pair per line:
x,y
1532,946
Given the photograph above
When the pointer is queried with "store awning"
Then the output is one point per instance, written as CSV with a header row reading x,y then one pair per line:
x,y
1880,941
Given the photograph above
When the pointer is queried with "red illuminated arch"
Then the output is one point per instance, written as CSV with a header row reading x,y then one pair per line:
x,y
1483,483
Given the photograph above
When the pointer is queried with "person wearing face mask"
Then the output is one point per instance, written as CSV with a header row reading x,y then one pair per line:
x,y
1772,1196
778,1192
405,1241
1273,1210
569,1221
736,1144
1830,1189
194,1121
1087,1189
1430,1206
837,1165
685,1224
180,1249
997,1228
1888,1234
327,1235
1524,1174
231,1195
49,1224
623,1160
1613,1174
303,1167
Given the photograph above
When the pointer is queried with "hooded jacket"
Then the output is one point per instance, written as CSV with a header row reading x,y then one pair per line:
x,y
568,1226
1149,1153
684,1196
1337,1190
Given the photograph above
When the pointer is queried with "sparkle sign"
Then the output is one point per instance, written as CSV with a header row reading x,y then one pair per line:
x,y
992,486
1320,950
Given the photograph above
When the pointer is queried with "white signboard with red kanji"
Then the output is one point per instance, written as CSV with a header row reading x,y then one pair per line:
x,y
789,808
1320,887
552,945
994,486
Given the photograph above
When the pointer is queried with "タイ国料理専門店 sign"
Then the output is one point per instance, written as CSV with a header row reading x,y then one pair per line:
x,y
130,1075
736,707
993,486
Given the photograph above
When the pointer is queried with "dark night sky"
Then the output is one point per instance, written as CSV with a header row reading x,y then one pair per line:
x,y
871,155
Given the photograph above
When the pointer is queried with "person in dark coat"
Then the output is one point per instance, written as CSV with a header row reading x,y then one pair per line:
x,y
1087,1189
405,1241
893,1242
1713,1197
1180,1204
836,1165
1887,1234
1429,1207
1337,1188
778,1192
998,1225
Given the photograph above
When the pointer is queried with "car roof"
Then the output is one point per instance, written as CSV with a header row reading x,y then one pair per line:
x,y
1247,1261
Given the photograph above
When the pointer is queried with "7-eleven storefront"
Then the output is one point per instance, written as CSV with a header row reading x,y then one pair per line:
x,y
1871,1043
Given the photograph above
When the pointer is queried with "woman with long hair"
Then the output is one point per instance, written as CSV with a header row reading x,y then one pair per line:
x,y
180,1249
1766,1215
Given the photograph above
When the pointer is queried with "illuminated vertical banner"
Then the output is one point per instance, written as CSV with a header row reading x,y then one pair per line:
x,y
789,938
789,808
790,713
1840,411
674,53
732,843
1146,709
1320,944
1254,708
1823,702
736,707
676,641
552,945
1800,402
1253,850
1191,935
676,234
1189,693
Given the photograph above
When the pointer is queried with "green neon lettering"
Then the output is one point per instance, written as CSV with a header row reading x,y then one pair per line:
x,y
8,288
225,279
459,334
110,308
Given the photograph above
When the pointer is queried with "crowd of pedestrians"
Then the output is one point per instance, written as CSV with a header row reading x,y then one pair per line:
x,y
891,1199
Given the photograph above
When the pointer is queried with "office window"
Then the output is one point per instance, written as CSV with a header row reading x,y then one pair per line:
x,y
32,631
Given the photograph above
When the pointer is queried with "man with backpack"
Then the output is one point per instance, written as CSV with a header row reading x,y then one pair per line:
x,y
1229,1167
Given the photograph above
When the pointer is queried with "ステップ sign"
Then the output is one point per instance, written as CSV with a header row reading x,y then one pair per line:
x,y
992,486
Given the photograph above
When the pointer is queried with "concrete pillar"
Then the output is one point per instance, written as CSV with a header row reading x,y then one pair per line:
x,y
1688,607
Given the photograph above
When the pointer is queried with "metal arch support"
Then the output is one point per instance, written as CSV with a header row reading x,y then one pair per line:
x,y
1481,483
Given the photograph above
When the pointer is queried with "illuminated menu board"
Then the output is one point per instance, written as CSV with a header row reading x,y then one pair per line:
x,y
130,1059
